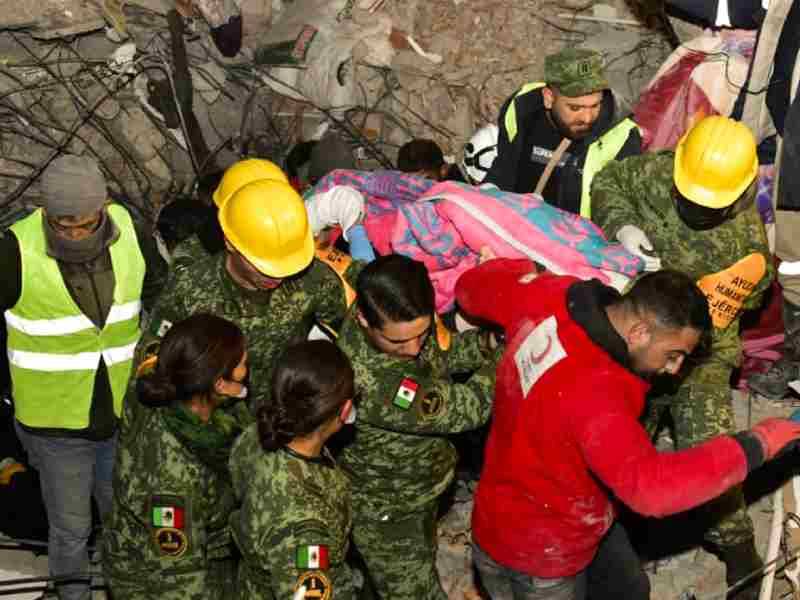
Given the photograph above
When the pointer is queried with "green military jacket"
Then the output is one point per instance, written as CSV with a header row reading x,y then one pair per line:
x,y
167,535
293,525
270,319
726,261
400,459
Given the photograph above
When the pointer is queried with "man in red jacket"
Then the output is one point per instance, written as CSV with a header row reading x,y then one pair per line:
x,y
565,436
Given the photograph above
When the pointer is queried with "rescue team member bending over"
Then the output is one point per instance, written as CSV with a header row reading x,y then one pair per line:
x,y
268,280
570,389
555,135
694,209
167,535
294,521
75,274
400,461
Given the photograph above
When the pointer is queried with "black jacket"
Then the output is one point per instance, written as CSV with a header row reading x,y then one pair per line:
x,y
514,156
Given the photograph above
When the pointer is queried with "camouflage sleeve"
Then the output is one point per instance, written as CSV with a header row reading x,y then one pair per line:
x,y
298,554
425,406
333,297
468,351
614,194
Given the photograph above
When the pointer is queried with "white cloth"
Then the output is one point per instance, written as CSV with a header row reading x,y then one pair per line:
x,y
341,205
635,240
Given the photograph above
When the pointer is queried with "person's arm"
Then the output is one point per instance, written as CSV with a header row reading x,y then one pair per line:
x,y
491,291
156,268
503,172
615,195
468,350
413,403
333,285
618,451
169,308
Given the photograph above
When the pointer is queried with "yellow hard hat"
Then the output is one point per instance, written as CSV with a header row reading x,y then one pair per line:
x,y
244,172
266,222
715,162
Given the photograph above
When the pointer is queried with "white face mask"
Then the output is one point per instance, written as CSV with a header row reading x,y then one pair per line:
x,y
351,417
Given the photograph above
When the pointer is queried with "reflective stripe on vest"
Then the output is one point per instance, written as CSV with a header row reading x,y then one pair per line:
x,y
510,119
54,350
602,151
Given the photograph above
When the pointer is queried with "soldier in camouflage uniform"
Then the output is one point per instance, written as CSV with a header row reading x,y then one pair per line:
x,y
694,209
167,535
400,461
268,281
294,521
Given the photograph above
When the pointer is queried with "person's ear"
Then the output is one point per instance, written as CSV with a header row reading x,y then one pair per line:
x,y
639,334
548,97
443,171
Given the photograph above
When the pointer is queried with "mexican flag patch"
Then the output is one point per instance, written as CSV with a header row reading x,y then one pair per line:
x,y
312,557
168,516
406,393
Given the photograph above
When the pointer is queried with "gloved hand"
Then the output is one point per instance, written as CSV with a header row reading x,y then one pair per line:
x,y
340,205
634,239
777,436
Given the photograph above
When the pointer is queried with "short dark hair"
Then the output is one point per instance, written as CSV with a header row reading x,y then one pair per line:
x,y
193,355
672,299
310,383
394,288
419,155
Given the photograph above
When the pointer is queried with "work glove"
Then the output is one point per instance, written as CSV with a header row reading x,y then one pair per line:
x,y
777,436
634,240
340,205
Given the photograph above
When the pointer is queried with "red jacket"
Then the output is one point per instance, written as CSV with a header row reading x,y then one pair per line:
x,y
566,430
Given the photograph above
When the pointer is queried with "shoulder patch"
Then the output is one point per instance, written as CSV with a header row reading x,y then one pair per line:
x,y
317,585
406,393
539,351
170,541
431,404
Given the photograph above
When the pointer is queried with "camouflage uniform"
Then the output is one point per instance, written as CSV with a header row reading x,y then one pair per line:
x,y
638,191
289,503
185,555
270,319
400,461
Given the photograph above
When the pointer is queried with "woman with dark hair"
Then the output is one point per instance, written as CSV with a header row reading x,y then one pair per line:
x,y
294,521
167,535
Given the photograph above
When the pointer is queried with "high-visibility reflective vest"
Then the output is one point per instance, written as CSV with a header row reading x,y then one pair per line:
x,y
603,150
54,350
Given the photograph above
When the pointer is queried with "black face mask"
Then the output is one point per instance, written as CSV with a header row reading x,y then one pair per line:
x,y
703,218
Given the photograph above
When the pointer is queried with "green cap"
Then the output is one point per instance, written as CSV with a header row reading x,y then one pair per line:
x,y
575,72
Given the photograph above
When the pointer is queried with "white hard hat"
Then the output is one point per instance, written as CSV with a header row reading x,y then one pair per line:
x,y
480,152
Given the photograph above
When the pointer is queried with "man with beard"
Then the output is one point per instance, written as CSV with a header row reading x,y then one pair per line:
x,y
555,135
565,435
693,209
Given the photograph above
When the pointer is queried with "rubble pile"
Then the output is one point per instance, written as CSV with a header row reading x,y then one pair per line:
x,y
102,77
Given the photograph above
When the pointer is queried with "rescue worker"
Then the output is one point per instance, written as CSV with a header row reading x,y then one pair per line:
x,y
167,535
694,209
76,273
268,280
294,521
400,461
555,135
566,441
